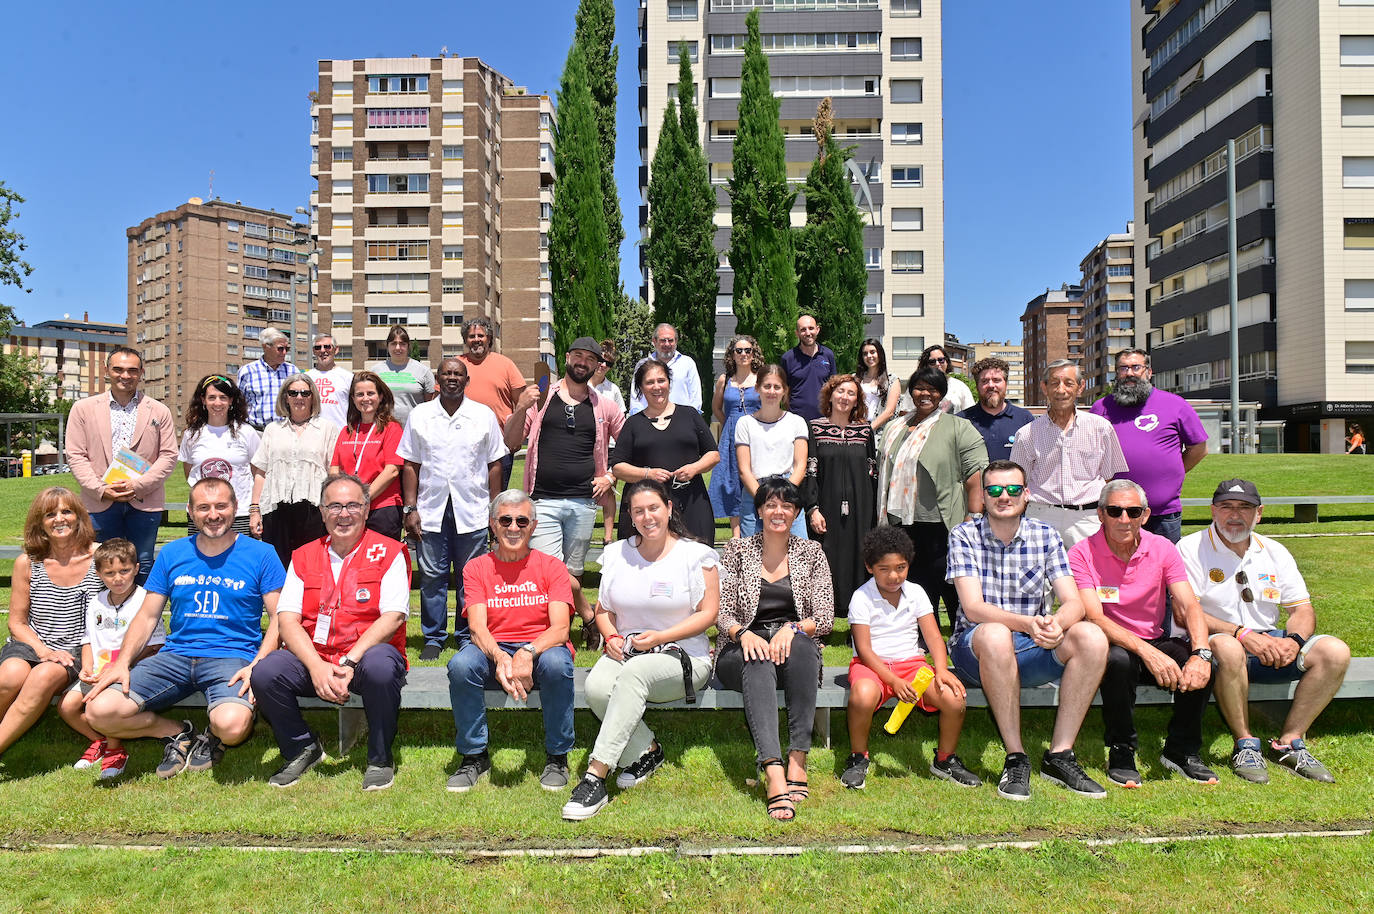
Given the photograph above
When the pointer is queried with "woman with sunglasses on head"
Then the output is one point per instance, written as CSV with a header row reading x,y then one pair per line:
x,y
219,442
928,481
671,445
880,389
660,591
776,603
957,395
289,467
770,441
367,448
736,395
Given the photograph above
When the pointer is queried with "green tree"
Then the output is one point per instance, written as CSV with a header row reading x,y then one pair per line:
x,y
583,278
681,250
595,34
14,269
761,251
632,329
22,387
831,276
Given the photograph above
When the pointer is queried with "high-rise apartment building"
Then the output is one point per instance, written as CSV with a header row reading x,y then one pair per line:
x,y
879,61
1051,329
1292,83
434,192
1109,324
1011,353
70,353
204,280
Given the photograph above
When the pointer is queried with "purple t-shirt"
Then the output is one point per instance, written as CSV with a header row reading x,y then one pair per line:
x,y
1153,436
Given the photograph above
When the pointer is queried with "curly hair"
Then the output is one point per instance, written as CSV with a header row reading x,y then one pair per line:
x,y
755,357
990,363
197,415
36,541
885,540
386,401
860,411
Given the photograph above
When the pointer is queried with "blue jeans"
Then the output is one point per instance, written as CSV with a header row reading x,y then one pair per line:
x,y
471,672
1169,526
138,527
749,524
439,551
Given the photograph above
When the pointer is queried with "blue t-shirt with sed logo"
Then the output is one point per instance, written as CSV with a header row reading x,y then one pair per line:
x,y
216,600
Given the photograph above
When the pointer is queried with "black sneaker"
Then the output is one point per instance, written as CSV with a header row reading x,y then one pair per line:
x,y
587,799
855,771
1121,768
431,652
1190,766
206,752
952,769
176,750
292,770
1064,770
472,768
640,769
555,775
1015,781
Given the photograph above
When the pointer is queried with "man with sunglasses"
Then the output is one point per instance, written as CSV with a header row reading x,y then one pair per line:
x,y
567,470
1126,576
1160,434
519,603
1008,569
1245,581
452,447
261,379
330,380
342,616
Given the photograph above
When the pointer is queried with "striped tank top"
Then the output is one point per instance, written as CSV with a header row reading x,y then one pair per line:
x,y
58,614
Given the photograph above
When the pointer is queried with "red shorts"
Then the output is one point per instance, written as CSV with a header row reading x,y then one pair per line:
x,y
904,669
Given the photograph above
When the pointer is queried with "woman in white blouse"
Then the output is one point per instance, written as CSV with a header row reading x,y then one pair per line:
x,y
289,467
660,591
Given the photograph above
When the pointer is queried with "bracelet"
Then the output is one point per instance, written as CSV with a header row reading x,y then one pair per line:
x,y
1241,635
1236,634
796,627
1296,637
257,508
621,637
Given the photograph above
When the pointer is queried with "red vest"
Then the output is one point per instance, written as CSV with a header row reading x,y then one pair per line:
x,y
356,596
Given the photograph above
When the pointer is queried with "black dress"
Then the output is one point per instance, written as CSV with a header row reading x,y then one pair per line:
x,y
842,480
686,439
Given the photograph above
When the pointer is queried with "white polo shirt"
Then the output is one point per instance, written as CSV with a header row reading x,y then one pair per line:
x,y
1270,573
894,630
453,453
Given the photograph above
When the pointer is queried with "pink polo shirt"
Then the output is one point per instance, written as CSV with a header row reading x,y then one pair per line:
x,y
1133,594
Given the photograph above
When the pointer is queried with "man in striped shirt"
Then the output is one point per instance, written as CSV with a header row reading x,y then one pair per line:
x,y
261,379
1068,455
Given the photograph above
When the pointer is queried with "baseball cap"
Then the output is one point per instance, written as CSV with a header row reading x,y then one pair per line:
x,y
1237,490
586,344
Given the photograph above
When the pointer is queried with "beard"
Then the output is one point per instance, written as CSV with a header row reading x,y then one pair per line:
x,y
1233,537
580,373
1133,392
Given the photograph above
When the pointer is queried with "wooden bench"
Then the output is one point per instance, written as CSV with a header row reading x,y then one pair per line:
x,y
1304,506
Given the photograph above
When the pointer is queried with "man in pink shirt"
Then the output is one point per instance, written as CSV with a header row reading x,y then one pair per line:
x,y
1125,577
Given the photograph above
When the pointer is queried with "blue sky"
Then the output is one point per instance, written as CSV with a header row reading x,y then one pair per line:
x,y
1037,126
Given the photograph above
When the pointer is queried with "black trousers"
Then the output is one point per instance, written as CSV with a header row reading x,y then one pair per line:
x,y
289,526
929,566
758,681
1125,671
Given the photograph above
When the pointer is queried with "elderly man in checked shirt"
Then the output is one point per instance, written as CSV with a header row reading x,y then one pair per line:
x,y
1068,455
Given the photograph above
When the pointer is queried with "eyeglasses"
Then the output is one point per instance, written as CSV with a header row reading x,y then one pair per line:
x,y
1246,593
324,348
1132,369
1012,490
505,520
281,348
743,350
569,416
334,509
1133,511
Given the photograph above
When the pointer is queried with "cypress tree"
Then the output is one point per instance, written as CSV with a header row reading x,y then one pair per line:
x,y
595,34
831,276
583,278
761,250
680,250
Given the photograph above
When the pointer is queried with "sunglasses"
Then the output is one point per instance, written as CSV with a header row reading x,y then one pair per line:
x,y
569,416
940,359
743,350
1133,512
1012,490
303,394
325,348
1246,593
505,520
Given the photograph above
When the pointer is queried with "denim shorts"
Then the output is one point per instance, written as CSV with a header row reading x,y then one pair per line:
x,y
164,679
1259,672
565,530
1036,664
18,650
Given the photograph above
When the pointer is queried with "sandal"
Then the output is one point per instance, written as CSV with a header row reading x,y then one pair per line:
x,y
800,790
781,803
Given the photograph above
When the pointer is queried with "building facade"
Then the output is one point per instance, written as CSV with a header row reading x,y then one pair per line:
x,y
1051,329
879,61
70,353
1109,323
1013,354
432,205
204,280
1292,82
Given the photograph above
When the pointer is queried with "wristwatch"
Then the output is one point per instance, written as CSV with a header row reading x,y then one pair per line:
x,y
534,654
407,510
1204,653
348,662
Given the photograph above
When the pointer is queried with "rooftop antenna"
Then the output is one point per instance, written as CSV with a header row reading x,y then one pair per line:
x,y
212,184
443,51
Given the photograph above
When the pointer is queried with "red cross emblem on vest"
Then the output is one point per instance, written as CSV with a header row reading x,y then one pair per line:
x,y
375,552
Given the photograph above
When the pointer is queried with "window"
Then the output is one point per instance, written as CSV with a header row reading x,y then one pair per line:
x,y
873,258
342,319
906,49
343,153
682,10
231,225
901,8
674,48
233,330
909,134
908,305
1357,50
906,91
1357,171
453,220
1359,357
395,85
255,250
398,250
453,285
453,252
454,119
452,152
255,291
231,349
231,267
908,261
397,184
908,347
1359,295
252,271
546,211
231,308
907,219
341,286
1359,234
232,246
231,287
453,185
392,283
873,303
341,188
906,176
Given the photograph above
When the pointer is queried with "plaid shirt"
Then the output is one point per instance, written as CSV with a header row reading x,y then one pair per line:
x,y
1017,577
260,384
